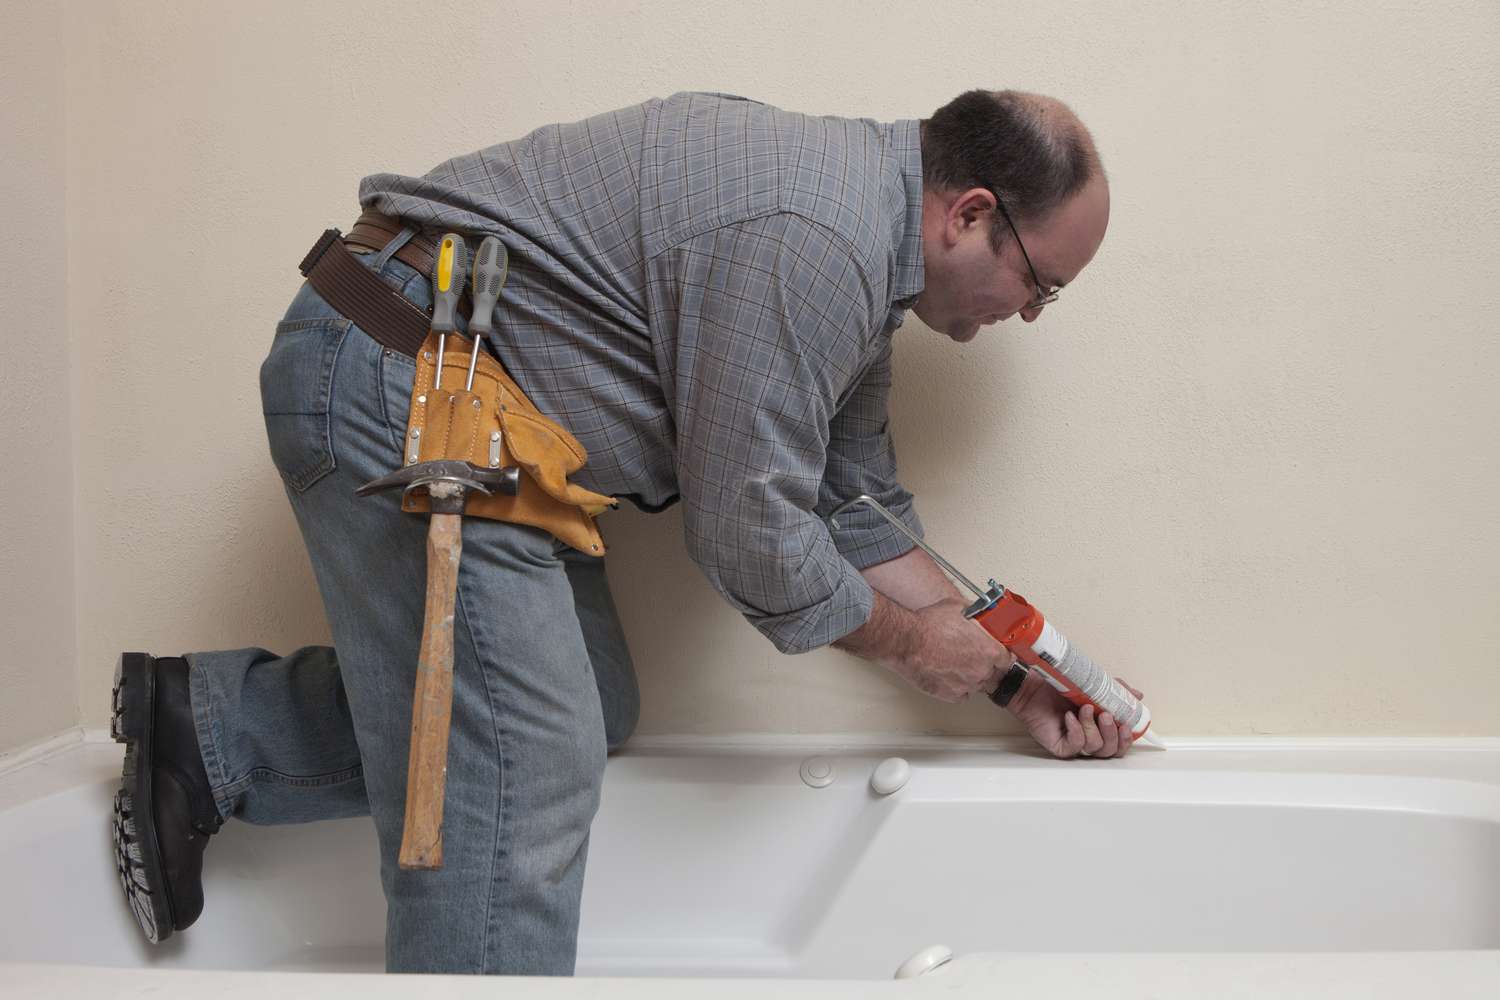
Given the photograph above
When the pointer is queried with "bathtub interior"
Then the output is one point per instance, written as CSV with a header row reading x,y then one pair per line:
x,y
729,864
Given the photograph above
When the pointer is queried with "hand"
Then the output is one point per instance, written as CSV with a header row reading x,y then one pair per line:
x,y
1064,730
952,657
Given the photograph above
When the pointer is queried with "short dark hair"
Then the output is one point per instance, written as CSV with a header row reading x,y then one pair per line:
x,y
1002,140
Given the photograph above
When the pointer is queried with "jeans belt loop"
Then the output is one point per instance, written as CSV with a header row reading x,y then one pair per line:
x,y
400,240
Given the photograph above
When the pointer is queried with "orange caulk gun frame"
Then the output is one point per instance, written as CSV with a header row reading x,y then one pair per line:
x,y
1022,630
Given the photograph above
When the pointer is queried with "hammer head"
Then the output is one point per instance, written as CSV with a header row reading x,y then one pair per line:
x,y
453,480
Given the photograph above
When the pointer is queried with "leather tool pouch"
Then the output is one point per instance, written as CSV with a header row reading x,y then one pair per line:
x,y
495,425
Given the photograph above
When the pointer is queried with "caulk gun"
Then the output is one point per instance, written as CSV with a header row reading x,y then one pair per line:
x,y
1022,630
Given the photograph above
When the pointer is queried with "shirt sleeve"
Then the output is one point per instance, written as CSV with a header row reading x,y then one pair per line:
x,y
862,459
764,325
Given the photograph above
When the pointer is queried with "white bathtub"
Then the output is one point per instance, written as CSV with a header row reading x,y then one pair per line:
x,y
1269,868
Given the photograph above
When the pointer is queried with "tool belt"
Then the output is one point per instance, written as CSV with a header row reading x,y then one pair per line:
x,y
492,424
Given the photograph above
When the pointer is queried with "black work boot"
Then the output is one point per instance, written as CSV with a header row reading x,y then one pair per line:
x,y
164,810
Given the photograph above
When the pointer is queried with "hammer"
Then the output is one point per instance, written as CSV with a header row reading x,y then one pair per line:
x,y
448,485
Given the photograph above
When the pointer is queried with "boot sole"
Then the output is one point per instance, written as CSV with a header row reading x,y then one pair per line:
x,y
137,853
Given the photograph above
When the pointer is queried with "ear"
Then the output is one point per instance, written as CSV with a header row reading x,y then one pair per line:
x,y
972,211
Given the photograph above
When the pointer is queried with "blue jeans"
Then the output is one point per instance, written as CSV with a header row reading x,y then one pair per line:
x,y
543,682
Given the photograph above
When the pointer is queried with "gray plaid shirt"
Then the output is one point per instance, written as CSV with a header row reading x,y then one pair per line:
x,y
703,290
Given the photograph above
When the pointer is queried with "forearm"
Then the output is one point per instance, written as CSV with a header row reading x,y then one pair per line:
x,y
912,580
902,585
888,636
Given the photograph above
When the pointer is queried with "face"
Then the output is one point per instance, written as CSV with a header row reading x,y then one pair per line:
x,y
968,285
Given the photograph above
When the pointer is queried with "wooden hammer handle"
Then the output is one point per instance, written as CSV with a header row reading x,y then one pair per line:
x,y
432,708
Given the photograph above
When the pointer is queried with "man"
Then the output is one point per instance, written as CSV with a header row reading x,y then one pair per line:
x,y
703,291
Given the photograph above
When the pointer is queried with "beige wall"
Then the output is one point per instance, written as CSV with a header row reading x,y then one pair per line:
x,y
38,678
1248,461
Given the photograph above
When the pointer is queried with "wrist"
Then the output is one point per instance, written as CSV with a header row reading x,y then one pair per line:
x,y
1010,686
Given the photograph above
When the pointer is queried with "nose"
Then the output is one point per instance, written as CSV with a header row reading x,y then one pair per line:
x,y
1030,313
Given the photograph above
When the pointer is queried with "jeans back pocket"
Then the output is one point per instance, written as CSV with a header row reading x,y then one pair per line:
x,y
296,389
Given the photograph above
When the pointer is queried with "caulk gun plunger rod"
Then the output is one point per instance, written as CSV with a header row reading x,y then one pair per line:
x,y
870,501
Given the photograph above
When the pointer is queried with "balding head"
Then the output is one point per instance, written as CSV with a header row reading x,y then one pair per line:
x,y
1029,149
991,159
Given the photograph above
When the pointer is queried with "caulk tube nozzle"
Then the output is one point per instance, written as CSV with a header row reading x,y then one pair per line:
x,y
1150,739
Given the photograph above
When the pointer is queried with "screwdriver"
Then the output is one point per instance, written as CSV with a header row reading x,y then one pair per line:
x,y
448,272
491,265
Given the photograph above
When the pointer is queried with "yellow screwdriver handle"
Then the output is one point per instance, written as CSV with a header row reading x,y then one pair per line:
x,y
449,271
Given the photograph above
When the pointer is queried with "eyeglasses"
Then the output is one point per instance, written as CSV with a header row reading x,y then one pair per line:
x,y
1044,297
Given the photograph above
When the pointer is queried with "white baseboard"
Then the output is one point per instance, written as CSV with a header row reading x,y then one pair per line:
x,y
11,760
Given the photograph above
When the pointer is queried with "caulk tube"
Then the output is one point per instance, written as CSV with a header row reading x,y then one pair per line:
x,y
1022,629
1082,681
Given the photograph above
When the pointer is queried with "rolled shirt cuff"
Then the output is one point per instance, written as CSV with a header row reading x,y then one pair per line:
x,y
865,538
846,609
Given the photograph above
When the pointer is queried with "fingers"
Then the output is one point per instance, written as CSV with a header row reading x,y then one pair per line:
x,y
1103,733
997,672
992,682
1126,685
1073,740
1093,740
1090,733
1110,732
1081,735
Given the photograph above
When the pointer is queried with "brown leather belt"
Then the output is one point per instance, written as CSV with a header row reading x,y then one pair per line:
x,y
372,231
360,294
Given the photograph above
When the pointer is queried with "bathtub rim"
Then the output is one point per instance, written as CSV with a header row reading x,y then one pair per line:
x,y
1162,976
1168,975
687,744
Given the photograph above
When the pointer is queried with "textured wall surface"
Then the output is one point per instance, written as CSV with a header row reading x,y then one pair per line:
x,y
38,679
1248,461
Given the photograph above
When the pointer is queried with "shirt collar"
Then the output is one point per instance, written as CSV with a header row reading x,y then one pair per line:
x,y
906,148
